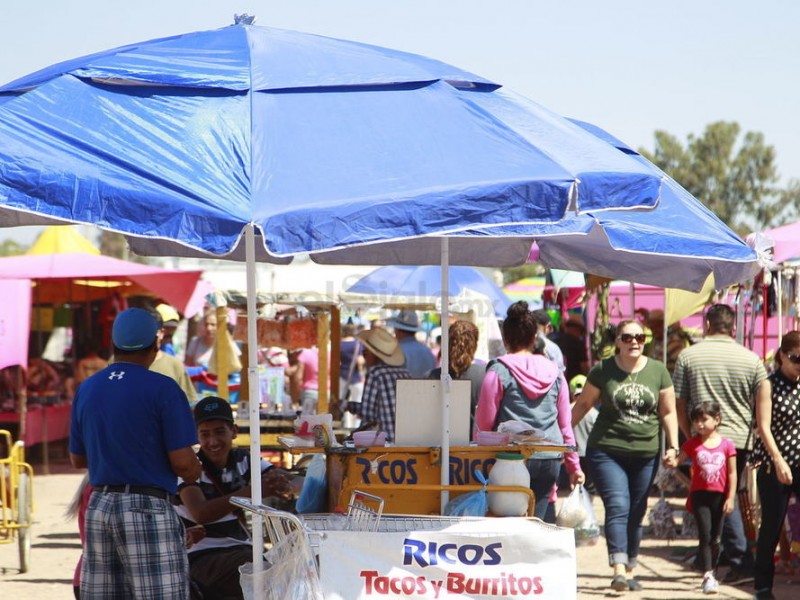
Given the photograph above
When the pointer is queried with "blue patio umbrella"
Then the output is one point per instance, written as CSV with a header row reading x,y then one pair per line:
x,y
676,245
422,285
299,143
320,143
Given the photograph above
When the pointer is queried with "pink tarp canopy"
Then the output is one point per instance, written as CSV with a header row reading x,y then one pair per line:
x,y
62,278
787,241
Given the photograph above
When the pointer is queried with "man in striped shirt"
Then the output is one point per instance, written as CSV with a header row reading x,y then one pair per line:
x,y
718,368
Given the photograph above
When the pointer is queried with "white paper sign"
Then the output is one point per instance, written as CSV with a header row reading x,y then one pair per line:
x,y
486,559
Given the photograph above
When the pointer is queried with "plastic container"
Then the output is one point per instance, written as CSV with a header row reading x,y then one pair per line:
x,y
365,439
491,438
509,469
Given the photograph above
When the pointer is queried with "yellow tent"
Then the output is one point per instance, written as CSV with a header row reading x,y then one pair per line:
x,y
62,239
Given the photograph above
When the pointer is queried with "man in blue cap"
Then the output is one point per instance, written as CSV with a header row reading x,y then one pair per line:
x,y
134,430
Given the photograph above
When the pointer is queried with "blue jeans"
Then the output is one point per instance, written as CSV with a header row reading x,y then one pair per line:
x,y
544,474
734,540
623,483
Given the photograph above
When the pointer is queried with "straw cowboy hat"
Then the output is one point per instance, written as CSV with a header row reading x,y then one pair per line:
x,y
383,345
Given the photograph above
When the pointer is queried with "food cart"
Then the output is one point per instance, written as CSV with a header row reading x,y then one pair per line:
x,y
408,478
16,497
367,553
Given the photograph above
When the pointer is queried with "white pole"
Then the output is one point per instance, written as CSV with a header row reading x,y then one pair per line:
x,y
254,405
740,310
445,376
665,329
779,293
796,274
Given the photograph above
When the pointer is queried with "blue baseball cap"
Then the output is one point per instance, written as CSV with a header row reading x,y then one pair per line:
x,y
134,329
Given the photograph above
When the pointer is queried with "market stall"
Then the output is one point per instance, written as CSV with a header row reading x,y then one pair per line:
x,y
54,292
507,171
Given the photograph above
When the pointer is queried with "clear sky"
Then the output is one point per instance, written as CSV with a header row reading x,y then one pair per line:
x,y
629,66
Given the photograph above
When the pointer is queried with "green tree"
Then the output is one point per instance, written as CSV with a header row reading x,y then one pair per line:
x,y
513,274
9,247
737,179
114,244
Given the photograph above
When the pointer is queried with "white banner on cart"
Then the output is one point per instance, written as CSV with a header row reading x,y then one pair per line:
x,y
486,559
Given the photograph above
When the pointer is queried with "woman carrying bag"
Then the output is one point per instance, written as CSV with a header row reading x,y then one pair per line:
x,y
524,385
635,393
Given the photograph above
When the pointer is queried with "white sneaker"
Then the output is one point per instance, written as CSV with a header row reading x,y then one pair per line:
x,y
710,584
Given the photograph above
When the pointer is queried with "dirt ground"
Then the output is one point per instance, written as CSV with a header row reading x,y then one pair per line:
x,y
56,548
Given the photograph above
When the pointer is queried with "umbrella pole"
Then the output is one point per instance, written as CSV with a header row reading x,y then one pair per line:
x,y
254,404
445,373
779,294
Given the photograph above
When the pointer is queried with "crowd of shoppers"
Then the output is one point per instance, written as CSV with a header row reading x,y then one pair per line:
x,y
732,414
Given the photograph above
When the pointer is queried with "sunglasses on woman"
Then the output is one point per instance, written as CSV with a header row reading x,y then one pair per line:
x,y
629,337
795,358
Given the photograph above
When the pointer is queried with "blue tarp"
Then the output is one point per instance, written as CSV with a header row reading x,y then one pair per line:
x,y
321,143
354,153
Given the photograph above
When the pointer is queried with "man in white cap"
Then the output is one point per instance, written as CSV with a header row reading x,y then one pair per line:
x,y
384,360
134,430
419,359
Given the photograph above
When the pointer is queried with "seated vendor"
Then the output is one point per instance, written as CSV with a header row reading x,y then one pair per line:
x,y
43,382
13,382
214,561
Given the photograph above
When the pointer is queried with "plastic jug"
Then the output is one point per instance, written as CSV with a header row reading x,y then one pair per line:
x,y
509,469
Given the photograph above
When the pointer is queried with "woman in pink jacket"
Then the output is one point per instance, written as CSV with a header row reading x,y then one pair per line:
x,y
524,385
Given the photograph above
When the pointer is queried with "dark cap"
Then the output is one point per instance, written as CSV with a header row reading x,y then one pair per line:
x,y
134,329
542,317
212,408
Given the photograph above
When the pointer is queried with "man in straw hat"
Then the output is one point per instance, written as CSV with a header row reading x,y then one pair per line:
x,y
384,359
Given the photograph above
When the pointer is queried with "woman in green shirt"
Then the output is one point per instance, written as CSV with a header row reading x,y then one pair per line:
x,y
636,398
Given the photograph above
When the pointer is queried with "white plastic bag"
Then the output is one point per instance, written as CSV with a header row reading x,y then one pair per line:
x,y
290,572
572,511
577,512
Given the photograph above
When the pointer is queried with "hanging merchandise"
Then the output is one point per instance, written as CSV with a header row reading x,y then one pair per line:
x,y
289,333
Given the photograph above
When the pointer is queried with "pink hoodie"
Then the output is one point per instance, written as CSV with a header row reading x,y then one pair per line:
x,y
535,374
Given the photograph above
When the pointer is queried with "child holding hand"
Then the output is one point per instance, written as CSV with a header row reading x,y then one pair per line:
x,y
713,486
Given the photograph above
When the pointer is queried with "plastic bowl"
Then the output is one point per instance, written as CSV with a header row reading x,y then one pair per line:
x,y
491,438
365,439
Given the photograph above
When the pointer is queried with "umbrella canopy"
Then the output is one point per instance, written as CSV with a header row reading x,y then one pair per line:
x,y
320,143
785,241
60,239
529,289
75,277
677,245
421,286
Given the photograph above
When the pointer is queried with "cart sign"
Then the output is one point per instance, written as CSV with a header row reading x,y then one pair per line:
x,y
487,559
